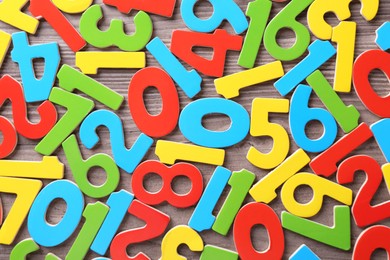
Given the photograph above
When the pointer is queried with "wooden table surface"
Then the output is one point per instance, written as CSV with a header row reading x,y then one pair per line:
x,y
235,160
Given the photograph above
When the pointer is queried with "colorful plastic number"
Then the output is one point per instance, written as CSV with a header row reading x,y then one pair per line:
x,y
258,11
72,6
321,187
382,38
119,203
220,41
319,53
300,115
77,109
202,218
155,224
47,234
226,10
176,236
287,19
71,79
380,132
26,190
364,65
90,61
325,164
188,81
81,168
190,122
240,183
24,54
304,253
114,35
12,90
371,239
5,42
346,116
49,168
167,175
47,10
230,85
214,252
163,8
338,236
166,121
254,214
344,35
127,159
10,12
169,152
265,189
26,247
363,212
260,126
94,215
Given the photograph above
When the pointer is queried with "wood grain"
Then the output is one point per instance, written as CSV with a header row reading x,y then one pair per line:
x,y
235,156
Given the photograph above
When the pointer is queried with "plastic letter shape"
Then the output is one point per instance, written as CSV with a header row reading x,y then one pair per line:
x,y
47,10
321,187
72,6
10,12
363,211
202,218
188,81
156,223
380,132
163,8
371,239
77,109
265,189
154,125
240,183
5,41
49,168
49,235
190,122
127,159
71,79
230,85
258,214
301,115
286,19
24,54
81,169
258,11
94,215
346,116
222,10
382,36
166,193
169,152
114,35
364,65
175,237
90,61
319,53
26,190
304,253
220,41
338,236
11,89
260,126
344,35
315,15
10,137
214,252
119,202
325,164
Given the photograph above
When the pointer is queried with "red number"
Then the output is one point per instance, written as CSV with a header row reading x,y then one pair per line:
x,y
363,213
371,239
168,174
160,7
156,223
